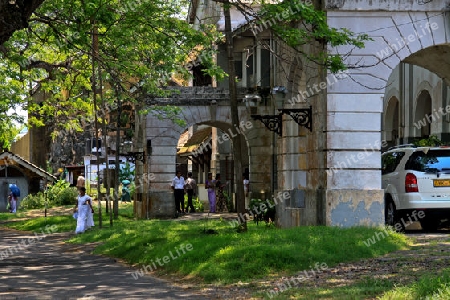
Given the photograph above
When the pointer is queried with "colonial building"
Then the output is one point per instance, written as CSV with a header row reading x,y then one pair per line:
x,y
328,158
313,137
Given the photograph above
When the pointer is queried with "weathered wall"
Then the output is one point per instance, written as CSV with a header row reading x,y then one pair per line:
x,y
355,103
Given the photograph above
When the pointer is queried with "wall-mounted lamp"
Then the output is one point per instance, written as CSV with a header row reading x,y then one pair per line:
x,y
127,147
302,116
252,101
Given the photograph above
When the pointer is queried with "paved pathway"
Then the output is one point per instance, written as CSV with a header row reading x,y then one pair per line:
x,y
50,269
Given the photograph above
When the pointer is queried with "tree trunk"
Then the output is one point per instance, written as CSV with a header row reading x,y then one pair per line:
x,y
237,147
14,15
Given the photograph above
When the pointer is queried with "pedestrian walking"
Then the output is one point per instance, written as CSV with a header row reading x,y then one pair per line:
x,y
84,204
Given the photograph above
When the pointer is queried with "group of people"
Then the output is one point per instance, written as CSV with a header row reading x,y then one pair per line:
x,y
216,197
180,187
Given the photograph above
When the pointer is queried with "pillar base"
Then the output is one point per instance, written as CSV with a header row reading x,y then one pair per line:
x,y
161,205
348,208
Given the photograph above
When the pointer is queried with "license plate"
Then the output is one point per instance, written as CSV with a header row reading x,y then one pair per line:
x,y
441,182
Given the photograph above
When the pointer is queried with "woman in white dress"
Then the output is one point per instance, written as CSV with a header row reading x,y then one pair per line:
x,y
84,205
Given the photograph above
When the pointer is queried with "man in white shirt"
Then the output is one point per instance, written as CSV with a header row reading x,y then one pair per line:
x,y
178,191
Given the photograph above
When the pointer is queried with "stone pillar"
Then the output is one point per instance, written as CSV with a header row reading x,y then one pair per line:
x,y
353,193
161,166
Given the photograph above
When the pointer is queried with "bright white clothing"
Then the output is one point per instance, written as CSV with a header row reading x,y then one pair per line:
x,y
246,183
178,183
83,210
90,219
246,190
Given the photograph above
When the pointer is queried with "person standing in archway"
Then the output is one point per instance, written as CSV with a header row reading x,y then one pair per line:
x,y
178,191
191,190
246,190
210,185
220,196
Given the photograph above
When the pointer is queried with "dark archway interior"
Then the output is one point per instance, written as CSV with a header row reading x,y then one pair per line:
x,y
435,58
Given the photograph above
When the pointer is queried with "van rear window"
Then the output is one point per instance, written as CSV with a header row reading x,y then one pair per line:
x,y
432,161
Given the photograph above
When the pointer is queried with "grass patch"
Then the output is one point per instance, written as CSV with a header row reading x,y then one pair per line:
x,y
226,257
9,216
367,288
429,286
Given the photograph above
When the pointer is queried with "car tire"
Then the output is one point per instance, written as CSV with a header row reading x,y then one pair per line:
x,y
429,224
391,214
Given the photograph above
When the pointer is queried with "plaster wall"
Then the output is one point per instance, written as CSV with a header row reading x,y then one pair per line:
x,y
355,103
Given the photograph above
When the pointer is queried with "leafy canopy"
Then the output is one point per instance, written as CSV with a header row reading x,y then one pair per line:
x,y
298,23
140,45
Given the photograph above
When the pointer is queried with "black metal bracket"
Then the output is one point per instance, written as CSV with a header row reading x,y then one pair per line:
x,y
302,116
272,122
134,156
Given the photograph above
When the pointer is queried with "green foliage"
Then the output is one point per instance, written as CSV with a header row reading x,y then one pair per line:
x,y
56,195
137,55
229,200
32,201
167,112
308,26
431,141
198,205
262,206
126,172
61,193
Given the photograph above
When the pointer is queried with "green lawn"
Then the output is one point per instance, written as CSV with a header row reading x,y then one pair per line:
x,y
184,249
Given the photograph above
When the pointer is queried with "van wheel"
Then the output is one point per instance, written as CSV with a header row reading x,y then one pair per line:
x,y
390,213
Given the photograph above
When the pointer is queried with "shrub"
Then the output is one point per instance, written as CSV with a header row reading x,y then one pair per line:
x,y
198,205
33,201
67,196
58,194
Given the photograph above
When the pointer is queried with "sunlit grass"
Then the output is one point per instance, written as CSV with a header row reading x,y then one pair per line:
x,y
10,216
227,256
430,286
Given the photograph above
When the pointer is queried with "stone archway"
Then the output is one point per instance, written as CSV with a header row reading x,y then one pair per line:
x,y
423,115
163,136
391,121
406,32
